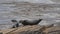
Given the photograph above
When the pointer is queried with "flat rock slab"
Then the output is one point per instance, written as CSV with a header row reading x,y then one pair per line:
x,y
52,30
34,29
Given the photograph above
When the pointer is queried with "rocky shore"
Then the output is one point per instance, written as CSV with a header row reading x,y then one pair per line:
x,y
34,29
49,12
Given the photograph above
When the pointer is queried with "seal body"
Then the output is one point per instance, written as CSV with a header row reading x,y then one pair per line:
x,y
33,22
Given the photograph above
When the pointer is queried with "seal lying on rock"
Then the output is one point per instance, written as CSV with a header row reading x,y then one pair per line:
x,y
27,22
16,23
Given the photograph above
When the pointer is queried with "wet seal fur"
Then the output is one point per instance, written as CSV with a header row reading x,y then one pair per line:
x,y
16,25
33,22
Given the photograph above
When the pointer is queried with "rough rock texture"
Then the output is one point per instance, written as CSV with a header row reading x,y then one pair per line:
x,y
34,29
28,30
53,30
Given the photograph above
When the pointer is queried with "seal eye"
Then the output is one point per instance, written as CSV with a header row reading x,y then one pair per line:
x,y
14,20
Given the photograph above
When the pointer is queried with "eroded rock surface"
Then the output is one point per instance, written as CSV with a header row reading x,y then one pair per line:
x,y
34,29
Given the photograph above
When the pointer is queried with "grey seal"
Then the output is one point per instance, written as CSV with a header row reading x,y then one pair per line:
x,y
33,22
